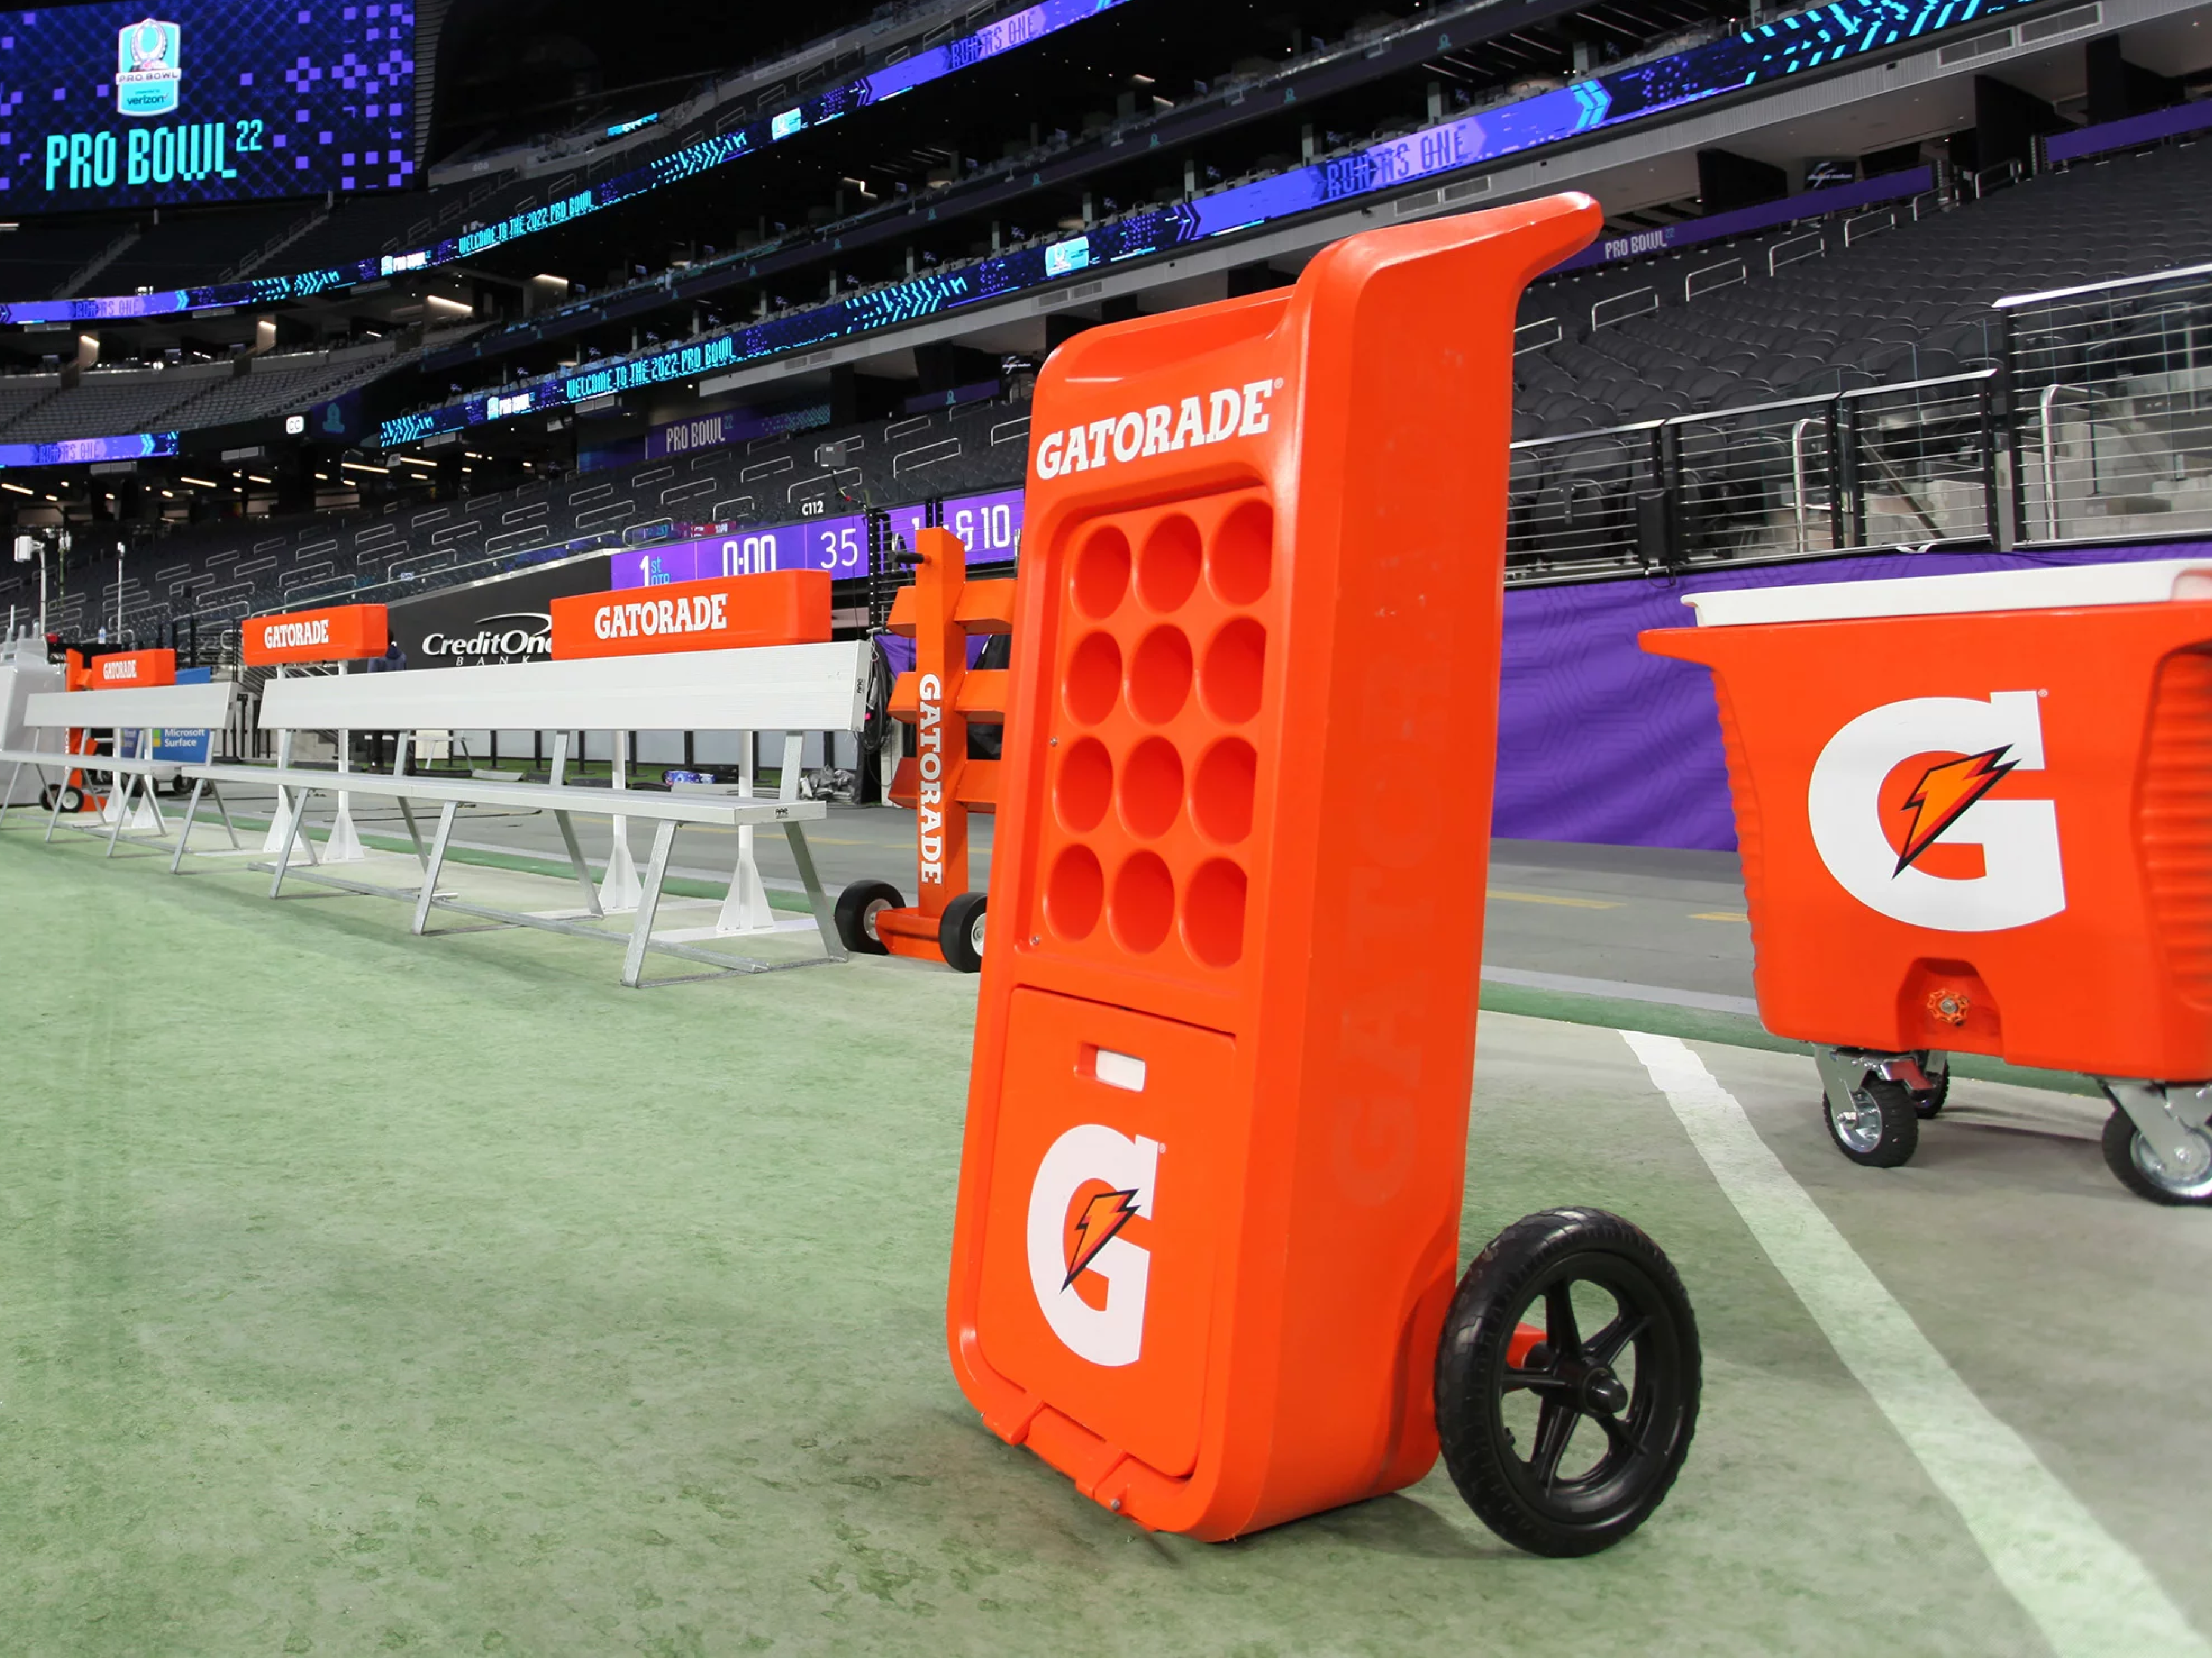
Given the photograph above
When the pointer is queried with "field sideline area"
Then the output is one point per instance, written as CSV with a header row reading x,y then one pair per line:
x,y
362,1293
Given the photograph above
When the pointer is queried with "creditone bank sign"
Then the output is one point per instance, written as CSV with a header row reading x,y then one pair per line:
x,y
512,636
507,619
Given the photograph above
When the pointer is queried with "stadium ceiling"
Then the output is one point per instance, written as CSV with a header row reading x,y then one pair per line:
x,y
507,68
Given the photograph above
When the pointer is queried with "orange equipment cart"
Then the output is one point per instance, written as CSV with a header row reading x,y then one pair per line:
x,y
1209,1204
1972,814
939,783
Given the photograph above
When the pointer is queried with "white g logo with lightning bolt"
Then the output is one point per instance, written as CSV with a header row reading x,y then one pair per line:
x,y
1090,1153
2022,879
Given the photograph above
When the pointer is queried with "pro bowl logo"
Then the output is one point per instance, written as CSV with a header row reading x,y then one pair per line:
x,y
148,68
1091,1280
1924,812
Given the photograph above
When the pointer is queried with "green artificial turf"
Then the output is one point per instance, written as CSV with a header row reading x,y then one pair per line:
x,y
365,1293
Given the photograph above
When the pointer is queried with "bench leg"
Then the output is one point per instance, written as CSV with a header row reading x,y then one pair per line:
x,y
14,777
291,834
576,861
432,865
649,901
222,806
826,913
53,822
414,831
184,830
152,797
122,808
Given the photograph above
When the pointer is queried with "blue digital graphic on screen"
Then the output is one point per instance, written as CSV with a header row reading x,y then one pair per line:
x,y
1007,34
75,452
204,100
1761,54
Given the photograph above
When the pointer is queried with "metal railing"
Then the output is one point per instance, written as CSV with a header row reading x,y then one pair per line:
x,y
2111,434
1914,464
2092,423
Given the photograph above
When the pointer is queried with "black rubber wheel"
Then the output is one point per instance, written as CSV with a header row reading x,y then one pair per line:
x,y
46,798
960,932
2129,1158
72,798
1929,1103
1883,1132
1563,1443
858,906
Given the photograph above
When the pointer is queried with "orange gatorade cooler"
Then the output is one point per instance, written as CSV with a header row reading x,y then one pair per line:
x,y
1210,1194
1973,817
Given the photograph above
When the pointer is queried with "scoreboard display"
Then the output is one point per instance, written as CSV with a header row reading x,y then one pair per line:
x,y
139,105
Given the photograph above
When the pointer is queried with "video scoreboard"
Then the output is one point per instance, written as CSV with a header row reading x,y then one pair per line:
x,y
136,105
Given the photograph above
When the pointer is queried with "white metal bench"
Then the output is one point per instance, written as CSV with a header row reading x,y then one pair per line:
x,y
159,707
792,689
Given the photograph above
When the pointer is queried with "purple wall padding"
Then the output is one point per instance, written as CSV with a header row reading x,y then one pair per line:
x,y
1598,742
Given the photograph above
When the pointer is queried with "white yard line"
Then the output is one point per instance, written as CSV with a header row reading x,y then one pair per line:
x,y
2088,1593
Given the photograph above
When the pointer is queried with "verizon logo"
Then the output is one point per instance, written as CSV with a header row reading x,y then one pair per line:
x,y
1231,412
291,635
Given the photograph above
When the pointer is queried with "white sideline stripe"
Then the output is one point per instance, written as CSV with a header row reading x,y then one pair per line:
x,y
2087,1593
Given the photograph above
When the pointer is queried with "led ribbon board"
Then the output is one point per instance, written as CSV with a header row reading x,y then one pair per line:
x,y
1792,46
989,525
1005,36
74,451
130,105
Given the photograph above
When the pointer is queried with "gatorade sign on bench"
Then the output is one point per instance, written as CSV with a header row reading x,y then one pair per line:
x,y
343,633
1210,1195
781,607
132,671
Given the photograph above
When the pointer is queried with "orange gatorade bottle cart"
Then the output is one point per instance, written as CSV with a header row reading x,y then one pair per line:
x,y
1209,1201
1973,815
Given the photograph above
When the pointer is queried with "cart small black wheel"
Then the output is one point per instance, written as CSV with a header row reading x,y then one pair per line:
x,y
46,798
1564,1442
72,798
2129,1158
1882,1130
1928,1102
858,906
960,932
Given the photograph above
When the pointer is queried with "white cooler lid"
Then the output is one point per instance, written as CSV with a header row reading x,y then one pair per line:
x,y
2153,581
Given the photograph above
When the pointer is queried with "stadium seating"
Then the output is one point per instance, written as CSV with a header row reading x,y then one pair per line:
x,y
1910,301
221,571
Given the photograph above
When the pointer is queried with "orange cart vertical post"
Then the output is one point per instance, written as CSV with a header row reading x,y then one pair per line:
x,y
938,783
1210,1193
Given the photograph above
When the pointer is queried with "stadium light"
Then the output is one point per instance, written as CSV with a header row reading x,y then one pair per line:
x,y
204,483
18,488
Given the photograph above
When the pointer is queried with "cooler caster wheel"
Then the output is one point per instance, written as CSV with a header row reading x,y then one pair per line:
x,y
1564,1442
2138,1168
1927,1101
72,800
960,932
858,906
46,798
1881,1129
